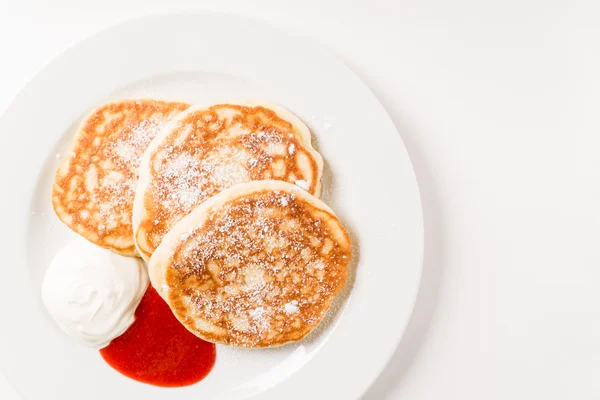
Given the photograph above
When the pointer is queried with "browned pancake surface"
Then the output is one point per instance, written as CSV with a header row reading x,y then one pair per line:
x,y
215,148
95,185
260,272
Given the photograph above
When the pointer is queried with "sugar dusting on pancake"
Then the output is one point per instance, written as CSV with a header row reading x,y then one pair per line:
x,y
94,187
256,266
206,150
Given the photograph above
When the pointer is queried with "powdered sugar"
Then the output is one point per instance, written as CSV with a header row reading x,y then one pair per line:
x,y
116,190
257,312
133,141
181,174
301,183
209,151
291,307
263,268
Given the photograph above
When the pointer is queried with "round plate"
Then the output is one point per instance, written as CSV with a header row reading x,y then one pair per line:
x,y
369,182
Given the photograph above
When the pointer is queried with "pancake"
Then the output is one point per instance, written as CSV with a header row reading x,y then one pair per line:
x,y
257,265
94,186
207,149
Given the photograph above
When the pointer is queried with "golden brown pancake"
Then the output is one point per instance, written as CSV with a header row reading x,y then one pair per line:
x,y
257,265
94,186
207,149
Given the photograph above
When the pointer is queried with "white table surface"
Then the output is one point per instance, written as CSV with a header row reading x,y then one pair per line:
x,y
498,103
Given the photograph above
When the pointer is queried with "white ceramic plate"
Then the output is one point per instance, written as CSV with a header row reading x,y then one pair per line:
x,y
368,181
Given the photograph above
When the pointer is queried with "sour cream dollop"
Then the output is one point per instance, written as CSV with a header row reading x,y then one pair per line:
x,y
92,293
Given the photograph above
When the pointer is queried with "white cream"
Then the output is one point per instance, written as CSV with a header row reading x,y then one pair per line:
x,y
92,293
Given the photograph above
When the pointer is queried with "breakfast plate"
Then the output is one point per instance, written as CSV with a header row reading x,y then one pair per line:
x,y
207,59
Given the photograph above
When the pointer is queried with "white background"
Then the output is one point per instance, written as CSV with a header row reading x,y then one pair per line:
x,y
498,103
